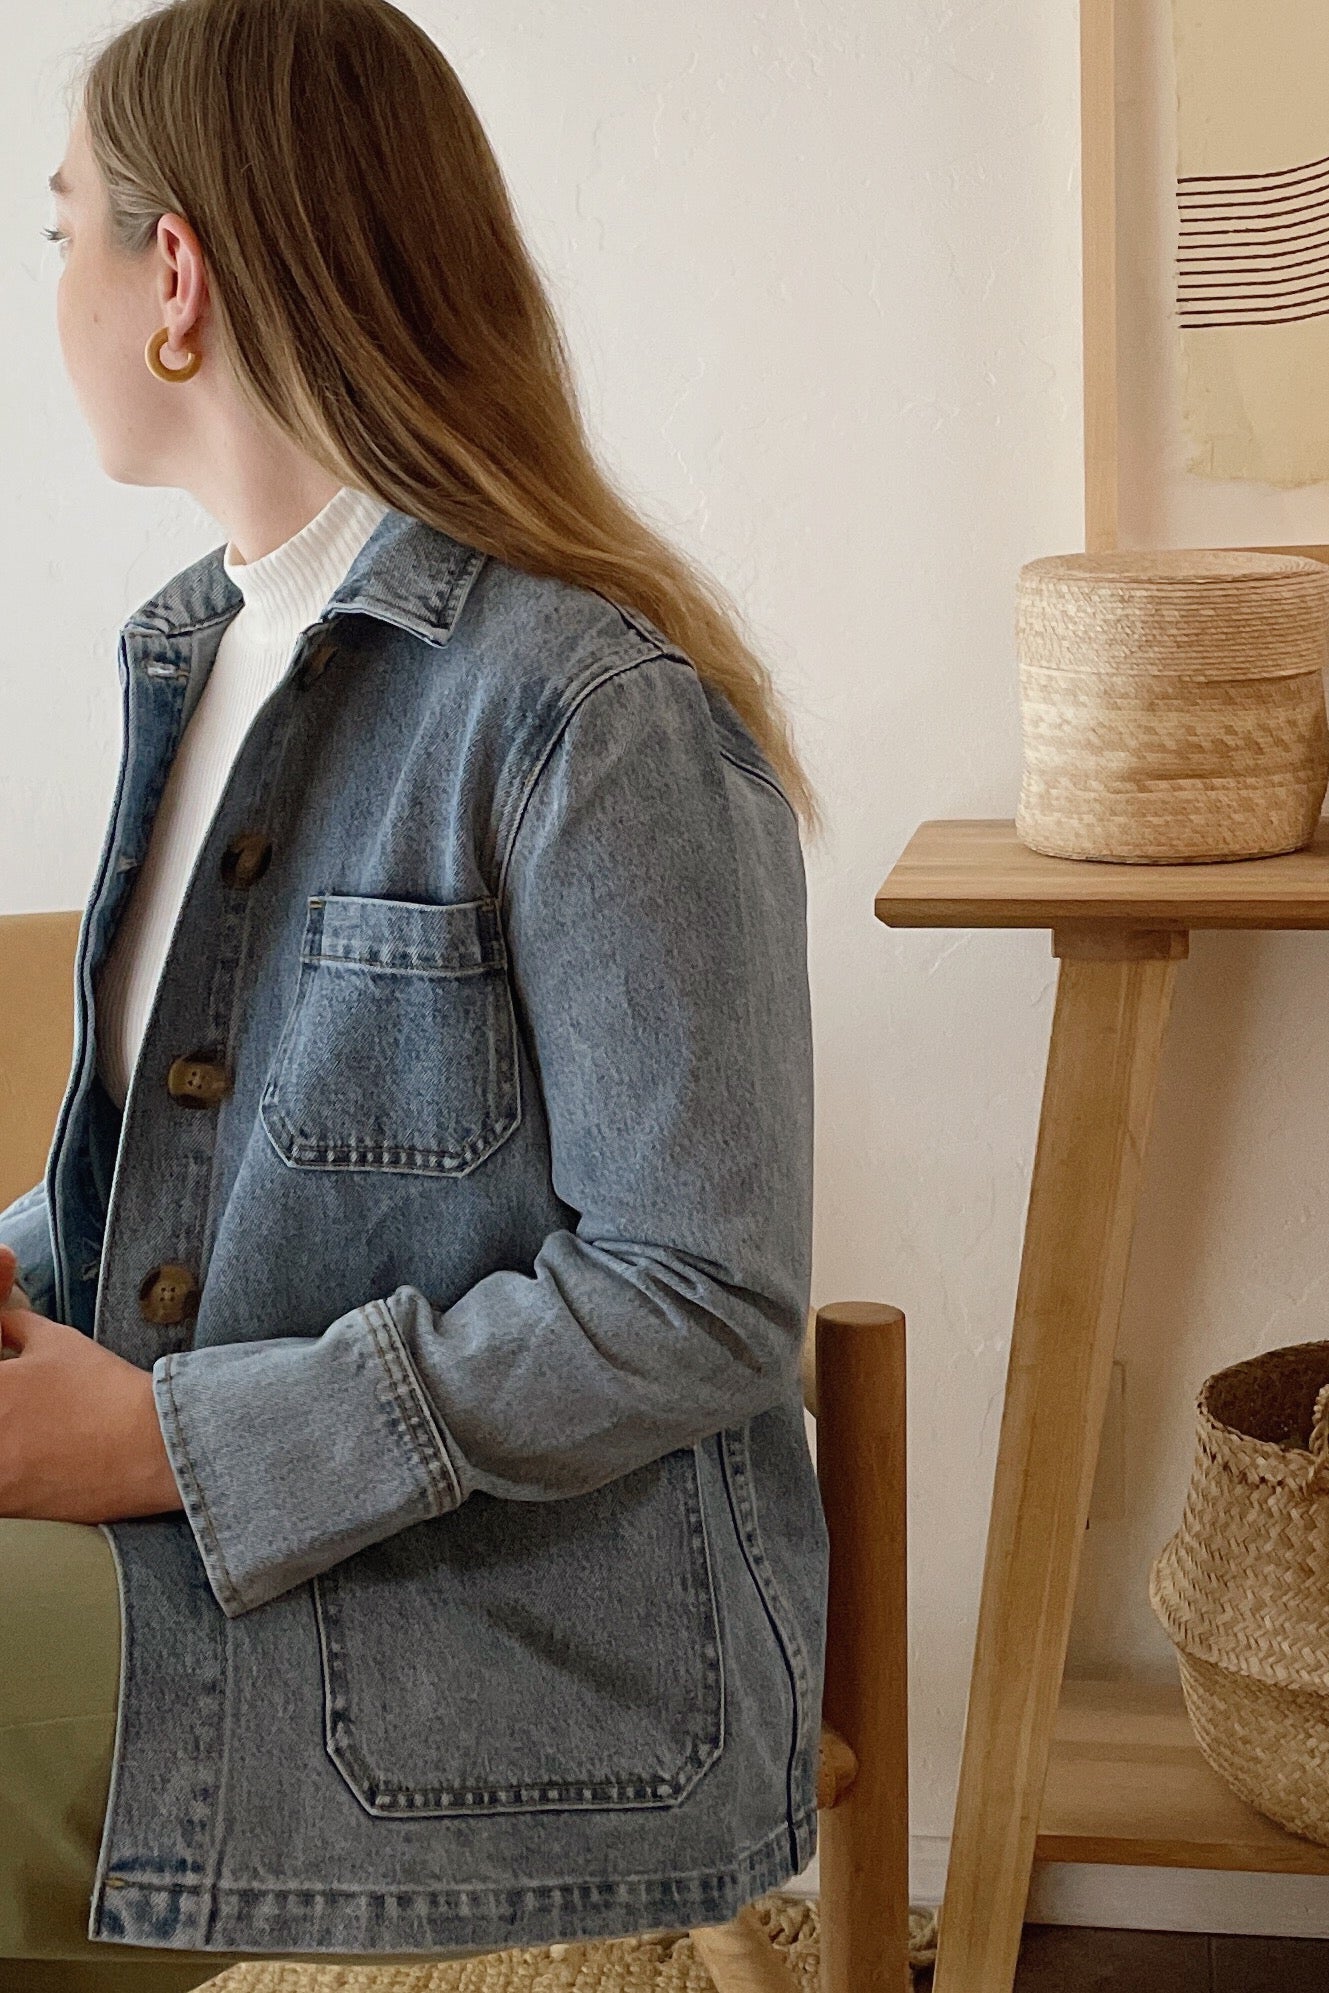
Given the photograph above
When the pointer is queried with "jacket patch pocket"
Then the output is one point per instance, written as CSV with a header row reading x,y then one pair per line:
x,y
516,1655
399,1050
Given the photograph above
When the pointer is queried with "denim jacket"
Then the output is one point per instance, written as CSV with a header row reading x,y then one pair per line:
x,y
460,1208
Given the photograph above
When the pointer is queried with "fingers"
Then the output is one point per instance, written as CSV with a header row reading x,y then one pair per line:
x,y
12,1292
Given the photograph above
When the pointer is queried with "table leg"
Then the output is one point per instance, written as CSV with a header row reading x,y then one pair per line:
x,y
1114,991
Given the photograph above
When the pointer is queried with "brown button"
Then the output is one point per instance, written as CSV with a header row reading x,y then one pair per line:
x,y
169,1293
316,663
197,1081
246,858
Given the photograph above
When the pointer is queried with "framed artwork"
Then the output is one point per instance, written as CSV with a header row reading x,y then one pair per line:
x,y
1205,190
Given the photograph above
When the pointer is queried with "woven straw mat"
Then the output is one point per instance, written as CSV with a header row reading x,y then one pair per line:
x,y
657,1962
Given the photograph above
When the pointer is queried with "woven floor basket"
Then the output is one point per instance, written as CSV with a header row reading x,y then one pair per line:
x,y
1242,1587
1172,704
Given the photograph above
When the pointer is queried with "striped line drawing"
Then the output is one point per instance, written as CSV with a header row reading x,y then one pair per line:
x,y
1253,248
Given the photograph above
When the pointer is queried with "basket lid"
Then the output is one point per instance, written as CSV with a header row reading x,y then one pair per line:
x,y
1175,567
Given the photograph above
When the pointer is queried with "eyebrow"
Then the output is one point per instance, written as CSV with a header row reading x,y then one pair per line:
x,y
57,182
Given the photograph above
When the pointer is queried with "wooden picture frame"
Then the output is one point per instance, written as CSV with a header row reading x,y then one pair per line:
x,y
1101,289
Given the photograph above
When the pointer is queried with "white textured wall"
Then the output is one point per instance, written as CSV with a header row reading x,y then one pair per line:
x,y
819,261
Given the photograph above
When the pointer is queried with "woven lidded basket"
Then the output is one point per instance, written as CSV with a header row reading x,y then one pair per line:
x,y
1242,1587
1172,704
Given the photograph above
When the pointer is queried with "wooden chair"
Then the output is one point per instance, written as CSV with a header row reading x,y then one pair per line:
x,y
36,1039
854,1386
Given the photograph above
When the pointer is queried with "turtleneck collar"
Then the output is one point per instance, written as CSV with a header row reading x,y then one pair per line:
x,y
285,590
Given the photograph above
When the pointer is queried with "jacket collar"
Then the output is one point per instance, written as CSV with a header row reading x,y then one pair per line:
x,y
407,573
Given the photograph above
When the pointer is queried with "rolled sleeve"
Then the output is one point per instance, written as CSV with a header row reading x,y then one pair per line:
x,y
654,902
25,1226
275,1495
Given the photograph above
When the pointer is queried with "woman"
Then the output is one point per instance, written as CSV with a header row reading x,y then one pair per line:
x,y
407,1403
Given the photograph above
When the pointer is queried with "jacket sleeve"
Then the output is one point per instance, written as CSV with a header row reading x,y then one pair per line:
x,y
25,1227
654,900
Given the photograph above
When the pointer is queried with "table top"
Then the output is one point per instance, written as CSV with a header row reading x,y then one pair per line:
x,y
974,872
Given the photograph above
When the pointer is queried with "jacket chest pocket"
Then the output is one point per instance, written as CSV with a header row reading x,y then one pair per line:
x,y
509,1656
399,1049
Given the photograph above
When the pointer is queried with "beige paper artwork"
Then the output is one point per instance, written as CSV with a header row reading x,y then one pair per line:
x,y
1253,237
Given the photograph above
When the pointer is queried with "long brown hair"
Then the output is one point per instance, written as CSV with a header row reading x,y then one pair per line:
x,y
372,290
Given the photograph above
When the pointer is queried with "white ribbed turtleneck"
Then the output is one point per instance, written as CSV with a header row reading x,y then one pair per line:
x,y
284,592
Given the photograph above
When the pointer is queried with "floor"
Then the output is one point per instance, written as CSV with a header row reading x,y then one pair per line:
x,y
1056,1958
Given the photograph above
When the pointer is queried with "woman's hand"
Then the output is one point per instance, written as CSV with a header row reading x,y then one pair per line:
x,y
80,1440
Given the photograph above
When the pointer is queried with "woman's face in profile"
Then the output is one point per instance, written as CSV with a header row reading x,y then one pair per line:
x,y
108,305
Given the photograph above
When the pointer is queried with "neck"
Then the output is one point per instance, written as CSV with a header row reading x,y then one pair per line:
x,y
269,519
285,589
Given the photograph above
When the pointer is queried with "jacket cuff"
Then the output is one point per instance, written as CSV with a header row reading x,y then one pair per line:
x,y
25,1227
293,1453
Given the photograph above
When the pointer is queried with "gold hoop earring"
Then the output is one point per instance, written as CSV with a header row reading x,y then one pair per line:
x,y
152,354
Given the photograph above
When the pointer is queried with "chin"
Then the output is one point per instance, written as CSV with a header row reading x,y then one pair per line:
x,y
119,467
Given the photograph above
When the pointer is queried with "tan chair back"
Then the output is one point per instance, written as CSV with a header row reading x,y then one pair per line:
x,y
37,953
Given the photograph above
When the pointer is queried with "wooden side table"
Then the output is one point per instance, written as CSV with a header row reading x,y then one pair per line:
x,y
1081,1771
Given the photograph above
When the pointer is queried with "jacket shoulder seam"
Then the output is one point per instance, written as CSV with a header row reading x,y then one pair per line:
x,y
527,787
749,768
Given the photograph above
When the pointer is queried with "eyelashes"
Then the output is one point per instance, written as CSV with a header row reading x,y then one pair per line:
x,y
53,235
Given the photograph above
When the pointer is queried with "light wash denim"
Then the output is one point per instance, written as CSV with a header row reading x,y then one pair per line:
x,y
495,1612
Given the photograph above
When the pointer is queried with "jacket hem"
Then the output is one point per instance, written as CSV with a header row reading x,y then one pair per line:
x,y
220,1917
